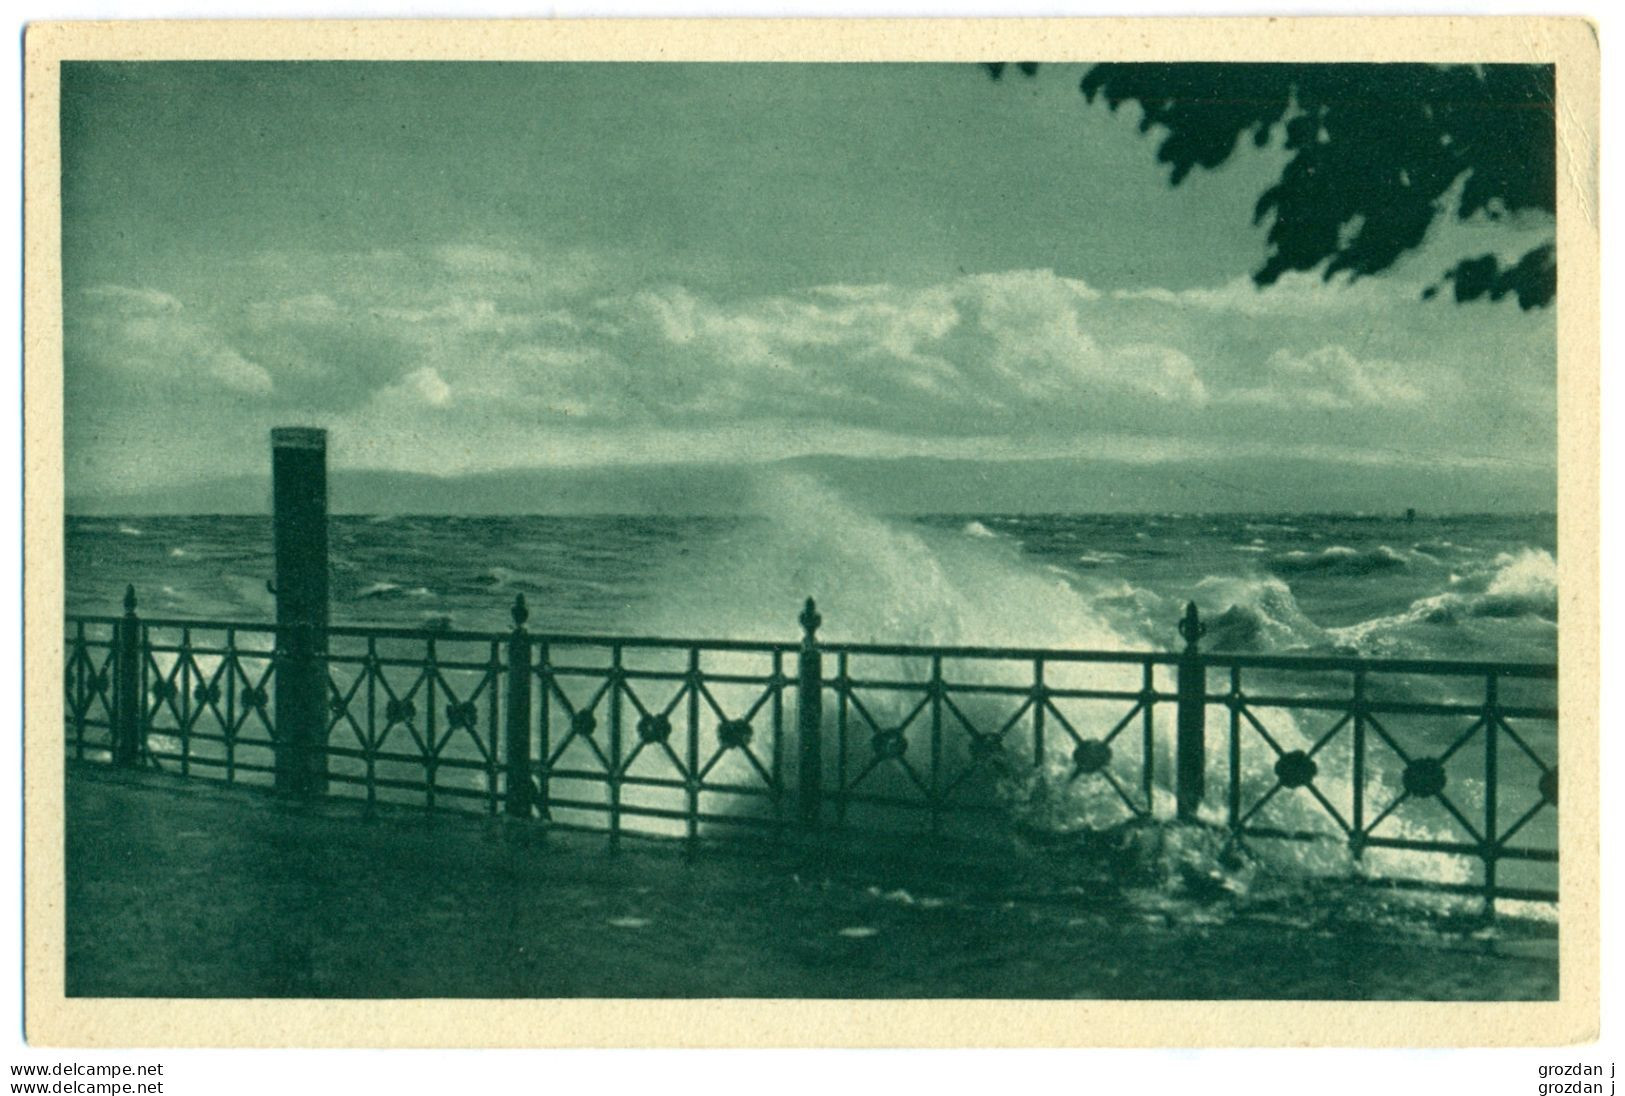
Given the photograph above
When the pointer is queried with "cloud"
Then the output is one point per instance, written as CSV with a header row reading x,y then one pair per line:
x,y
1014,350
477,259
456,316
427,385
1331,378
1296,293
1163,372
1017,345
450,345
146,334
129,301
1017,350
305,308
235,372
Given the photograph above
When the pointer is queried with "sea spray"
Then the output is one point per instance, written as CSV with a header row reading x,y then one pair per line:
x,y
1525,581
1254,613
1512,596
879,580
876,580
895,583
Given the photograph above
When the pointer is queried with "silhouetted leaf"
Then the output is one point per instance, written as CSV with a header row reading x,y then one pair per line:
x,y
1376,150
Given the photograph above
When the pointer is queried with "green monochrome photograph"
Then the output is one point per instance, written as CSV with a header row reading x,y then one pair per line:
x,y
919,530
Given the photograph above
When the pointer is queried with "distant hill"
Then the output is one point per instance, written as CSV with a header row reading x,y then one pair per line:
x,y
901,485
655,489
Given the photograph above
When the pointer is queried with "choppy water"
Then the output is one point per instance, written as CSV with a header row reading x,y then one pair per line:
x,y
1457,586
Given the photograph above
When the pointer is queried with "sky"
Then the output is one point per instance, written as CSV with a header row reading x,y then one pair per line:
x,y
462,268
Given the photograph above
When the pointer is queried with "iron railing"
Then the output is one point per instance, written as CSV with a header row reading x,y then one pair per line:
x,y
1420,773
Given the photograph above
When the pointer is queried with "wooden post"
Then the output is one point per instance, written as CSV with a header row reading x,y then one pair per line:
x,y
1190,747
1492,781
544,734
521,789
810,718
299,543
128,696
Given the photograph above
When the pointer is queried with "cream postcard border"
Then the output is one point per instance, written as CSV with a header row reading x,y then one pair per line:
x,y
53,1019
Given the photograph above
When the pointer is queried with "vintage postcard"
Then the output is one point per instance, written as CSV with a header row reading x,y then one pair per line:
x,y
751,533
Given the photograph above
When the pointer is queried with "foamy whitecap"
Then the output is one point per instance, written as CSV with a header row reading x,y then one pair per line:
x,y
1340,560
501,577
1520,584
1527,577
378,589
876,581
1254,613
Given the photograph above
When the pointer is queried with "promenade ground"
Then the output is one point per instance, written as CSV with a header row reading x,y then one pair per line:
x,y
182,888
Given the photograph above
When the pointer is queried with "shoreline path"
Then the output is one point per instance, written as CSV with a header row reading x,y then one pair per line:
x,y
185,889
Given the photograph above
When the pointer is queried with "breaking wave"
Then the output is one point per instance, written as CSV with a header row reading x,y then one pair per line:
x,y
1516,585
875,580
883,581
1255,614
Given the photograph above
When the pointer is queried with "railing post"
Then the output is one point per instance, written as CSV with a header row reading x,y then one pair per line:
x,y
127,695
810,718
299,545
1492,780
1190,747
1357,823
521,789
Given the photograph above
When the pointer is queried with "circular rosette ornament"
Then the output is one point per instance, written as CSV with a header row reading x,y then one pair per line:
x,y
734,734
1295,769
889,745
1091,757
654,727
1425,777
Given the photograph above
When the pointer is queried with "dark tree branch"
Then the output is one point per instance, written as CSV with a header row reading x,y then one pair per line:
x,y
1375,152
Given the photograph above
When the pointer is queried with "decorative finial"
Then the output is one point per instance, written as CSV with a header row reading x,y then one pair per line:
x,y
520,611
1191,626
129,598
810,620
